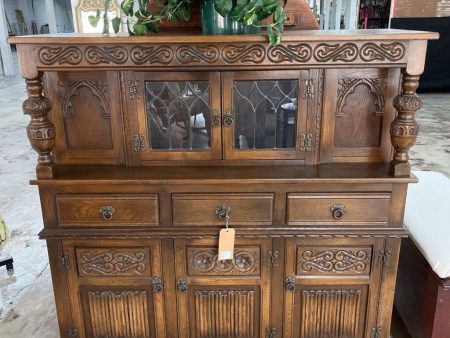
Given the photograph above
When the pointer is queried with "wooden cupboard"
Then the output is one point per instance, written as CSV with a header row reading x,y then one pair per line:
x,y
146,145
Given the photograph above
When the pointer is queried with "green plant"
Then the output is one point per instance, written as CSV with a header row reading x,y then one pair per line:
x,y
94,19
247,12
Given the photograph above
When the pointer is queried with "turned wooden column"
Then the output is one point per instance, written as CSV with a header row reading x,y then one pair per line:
x,y
40,130
404,128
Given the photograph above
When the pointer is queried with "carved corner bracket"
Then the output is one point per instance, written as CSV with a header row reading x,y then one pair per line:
x,y
40,130
404,128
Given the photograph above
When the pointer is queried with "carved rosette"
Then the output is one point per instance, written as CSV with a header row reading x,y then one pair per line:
x,y
337,261
404,128
40,130
113,263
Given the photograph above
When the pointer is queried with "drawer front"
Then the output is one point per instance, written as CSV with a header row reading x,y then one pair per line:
x,y
337,209
108,210
200,209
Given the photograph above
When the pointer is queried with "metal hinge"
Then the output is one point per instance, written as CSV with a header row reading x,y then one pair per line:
x,y
308,89
138,142
271,332
376,332
384,258
73,333
272,259
63,260
306,142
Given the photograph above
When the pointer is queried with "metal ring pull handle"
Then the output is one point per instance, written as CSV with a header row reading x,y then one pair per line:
x,y
290,284
107,212
338,211
181,285
223,212
157,285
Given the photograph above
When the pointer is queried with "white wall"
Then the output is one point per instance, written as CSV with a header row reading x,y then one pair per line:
x,y
63,13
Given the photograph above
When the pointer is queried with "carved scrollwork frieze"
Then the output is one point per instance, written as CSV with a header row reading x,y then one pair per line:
x,y
301,52
346,52
243,54
60,55
197,54
115,54
151,55
394,51
112,263
343,260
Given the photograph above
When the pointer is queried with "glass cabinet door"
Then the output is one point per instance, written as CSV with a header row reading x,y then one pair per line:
x,y
263,115
178,115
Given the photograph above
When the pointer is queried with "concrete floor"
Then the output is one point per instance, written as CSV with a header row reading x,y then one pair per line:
x,y
27,308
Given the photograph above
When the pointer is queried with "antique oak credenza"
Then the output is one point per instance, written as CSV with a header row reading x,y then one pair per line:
x,y
146,144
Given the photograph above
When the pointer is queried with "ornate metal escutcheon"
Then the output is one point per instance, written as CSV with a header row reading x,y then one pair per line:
x,y
215,118
290,284
338,211
223,212
107,212
181,285
157,285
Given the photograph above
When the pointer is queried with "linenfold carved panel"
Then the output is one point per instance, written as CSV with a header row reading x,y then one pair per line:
x,y
331,313
337,260
223,54
225,314
203,261
121,262
117,314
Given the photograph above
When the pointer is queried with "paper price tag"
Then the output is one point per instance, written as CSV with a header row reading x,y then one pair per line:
x,y
226,244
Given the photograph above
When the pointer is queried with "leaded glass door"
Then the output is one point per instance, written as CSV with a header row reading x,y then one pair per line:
x,y
178,115
264,116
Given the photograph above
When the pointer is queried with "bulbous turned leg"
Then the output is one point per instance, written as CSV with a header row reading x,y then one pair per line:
x,y
40,130
404,128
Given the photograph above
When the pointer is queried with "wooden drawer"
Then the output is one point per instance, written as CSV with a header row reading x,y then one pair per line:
x,y
200,209
337,208
91,210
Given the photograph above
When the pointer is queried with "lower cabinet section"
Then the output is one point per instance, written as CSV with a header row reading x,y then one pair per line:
x,y
124,288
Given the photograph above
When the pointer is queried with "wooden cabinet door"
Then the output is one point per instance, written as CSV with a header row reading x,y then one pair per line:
x,y
175,116
115,288
222,299
265,114
332,287
357,114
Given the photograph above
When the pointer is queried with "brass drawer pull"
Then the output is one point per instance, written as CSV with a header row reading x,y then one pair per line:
x,y
215,118
338,211
223,212
157,285
181,285
107,212
290,284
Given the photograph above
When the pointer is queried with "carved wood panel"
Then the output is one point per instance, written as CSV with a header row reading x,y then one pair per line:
x,y
202,261
117,262
117,314
226,313
323,260
289,53
85,106
336,313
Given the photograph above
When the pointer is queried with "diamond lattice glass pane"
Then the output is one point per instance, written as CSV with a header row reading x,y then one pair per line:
x,y
178,115
265,114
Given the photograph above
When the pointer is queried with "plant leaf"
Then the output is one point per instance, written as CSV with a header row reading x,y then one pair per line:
x,y
223,7
183,13
127,7
116,24
152,27
140,29
268,7
93,20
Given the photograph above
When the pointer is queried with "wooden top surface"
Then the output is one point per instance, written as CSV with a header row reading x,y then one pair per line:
x,y
177,37
324,173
